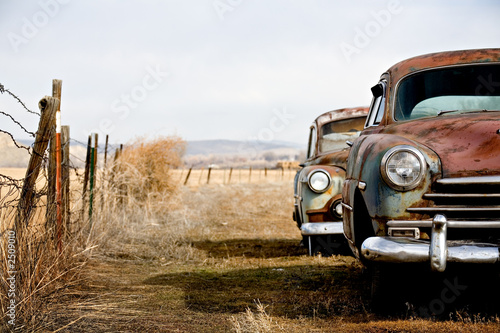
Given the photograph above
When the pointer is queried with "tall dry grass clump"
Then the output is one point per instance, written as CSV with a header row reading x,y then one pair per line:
x,y
139,194
33,271
144,167
255,322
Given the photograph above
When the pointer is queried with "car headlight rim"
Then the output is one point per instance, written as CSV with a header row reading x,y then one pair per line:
x,y
390,169
313,180
336,209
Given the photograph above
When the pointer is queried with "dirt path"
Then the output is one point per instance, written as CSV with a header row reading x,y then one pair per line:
x,y
299,293
238,267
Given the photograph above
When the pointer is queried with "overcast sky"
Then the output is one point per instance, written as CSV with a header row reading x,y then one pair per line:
x,y
218,69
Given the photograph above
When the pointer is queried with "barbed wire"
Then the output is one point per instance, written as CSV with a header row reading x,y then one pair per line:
x,y
15,142
3,90
18,123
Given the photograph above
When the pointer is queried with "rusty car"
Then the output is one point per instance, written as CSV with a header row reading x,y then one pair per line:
x,y
423,178
318,184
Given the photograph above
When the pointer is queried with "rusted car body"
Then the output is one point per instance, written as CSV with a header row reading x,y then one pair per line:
x,y
423,178
318,184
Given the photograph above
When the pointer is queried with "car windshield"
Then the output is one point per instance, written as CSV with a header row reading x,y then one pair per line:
x,y
333,135
460,89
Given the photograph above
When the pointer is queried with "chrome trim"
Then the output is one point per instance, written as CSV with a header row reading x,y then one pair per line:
x,y
362,185
401,148
416,231
395,249
453,209
438,251
400,249
346,206
349,143
451,224
484,180
321,228
460,195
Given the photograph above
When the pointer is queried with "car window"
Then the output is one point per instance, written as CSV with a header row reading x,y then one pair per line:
x,y
459,88
311,147
377,106
333,135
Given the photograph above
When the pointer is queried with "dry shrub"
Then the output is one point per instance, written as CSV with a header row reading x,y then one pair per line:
x,y
144,167
34,271
136,218
260,322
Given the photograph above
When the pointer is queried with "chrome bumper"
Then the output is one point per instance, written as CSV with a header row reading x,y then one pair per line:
x,y
438,251
322,228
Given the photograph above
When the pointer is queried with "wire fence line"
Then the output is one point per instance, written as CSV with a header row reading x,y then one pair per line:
x,y
41,220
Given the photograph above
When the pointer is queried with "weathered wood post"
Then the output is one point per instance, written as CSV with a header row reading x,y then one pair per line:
x,y
230,173
209,172
48,107
187,177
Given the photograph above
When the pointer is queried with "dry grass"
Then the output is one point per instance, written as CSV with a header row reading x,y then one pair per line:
x,y
236,267
222,258
34,272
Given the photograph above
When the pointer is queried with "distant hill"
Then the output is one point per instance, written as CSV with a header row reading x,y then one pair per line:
x,y
230,153
225,153
207,147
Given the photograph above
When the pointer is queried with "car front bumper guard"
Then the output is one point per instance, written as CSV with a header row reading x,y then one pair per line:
x,y
321,228
439,251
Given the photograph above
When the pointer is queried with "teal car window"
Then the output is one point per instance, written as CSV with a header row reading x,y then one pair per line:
x,y
454,89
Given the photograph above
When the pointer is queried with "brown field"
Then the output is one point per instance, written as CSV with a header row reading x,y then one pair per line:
x,y
236,266
226,258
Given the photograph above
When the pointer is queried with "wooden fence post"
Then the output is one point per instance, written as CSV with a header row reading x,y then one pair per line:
x,y
48,107
209,172
188,174
250,175
230,173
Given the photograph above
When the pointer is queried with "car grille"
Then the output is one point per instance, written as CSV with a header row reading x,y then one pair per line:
x,y
476,198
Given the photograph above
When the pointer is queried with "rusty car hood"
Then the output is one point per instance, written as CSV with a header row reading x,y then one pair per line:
x,y
337,158
468,144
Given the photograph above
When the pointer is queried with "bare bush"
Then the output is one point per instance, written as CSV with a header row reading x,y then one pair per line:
x,y
259,322
138,200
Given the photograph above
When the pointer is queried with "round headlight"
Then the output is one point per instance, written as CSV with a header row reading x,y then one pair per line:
x,y
403,167
319,181
336,209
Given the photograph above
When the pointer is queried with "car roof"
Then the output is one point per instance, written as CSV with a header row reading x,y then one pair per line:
x,y
440,59
340,114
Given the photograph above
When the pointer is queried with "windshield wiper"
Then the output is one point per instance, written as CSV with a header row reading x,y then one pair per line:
x,y
463,110
446,111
